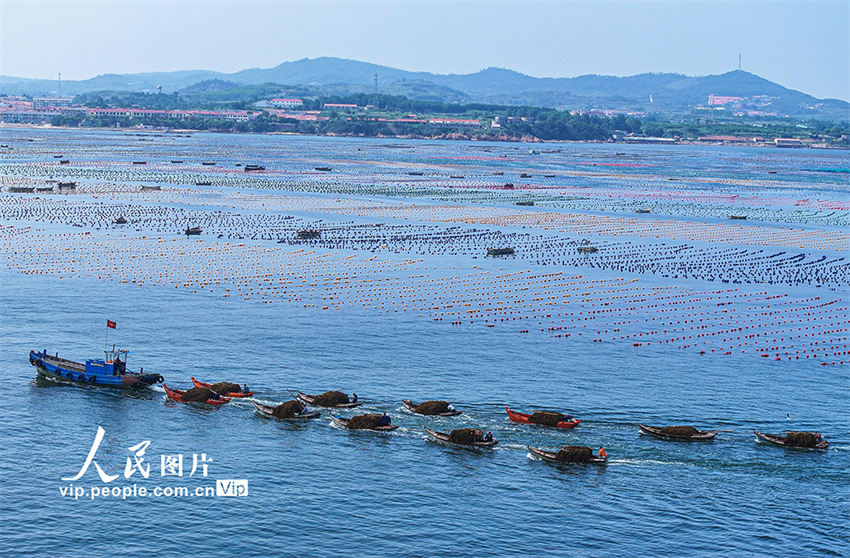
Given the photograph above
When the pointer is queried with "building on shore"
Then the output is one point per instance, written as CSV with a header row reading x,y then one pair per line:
x,y
287,103
789,142
454,122
51,102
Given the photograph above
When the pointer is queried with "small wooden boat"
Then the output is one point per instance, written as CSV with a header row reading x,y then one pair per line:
x,y
323,169
528,203
343,422
525,418
192,231
500,251
779,440
587,249
249,168
203,183
176,161
268,412
140,162
443,437
208,163
120,221
741,217
151,188
508,186
525,175
308,233
700,436
238,394
177,395
310,400
411,406
552,457
643,210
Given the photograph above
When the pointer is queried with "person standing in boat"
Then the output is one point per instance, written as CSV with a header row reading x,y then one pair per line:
x,y
488,437
245,388
602,453
385,420
354,398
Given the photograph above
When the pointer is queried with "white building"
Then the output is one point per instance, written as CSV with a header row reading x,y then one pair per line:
x,y
51,102
287,103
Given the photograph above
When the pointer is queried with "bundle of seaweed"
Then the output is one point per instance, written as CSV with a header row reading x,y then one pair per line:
x,y
679,431
198,394
364,422
802,439
547,418
465,436
575,454
330,399
288,409
432,407
226,387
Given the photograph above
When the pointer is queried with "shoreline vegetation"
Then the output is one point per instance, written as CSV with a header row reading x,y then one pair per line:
x,y
450,136
393,116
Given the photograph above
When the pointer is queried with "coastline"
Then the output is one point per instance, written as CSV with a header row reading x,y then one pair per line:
x,y
449,136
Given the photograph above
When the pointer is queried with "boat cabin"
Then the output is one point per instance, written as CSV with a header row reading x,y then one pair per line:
x,y
111,365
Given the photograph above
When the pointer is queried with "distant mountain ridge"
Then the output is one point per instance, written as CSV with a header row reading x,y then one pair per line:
x,y
652,92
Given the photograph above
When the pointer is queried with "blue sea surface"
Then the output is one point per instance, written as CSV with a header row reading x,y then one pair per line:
x,y
318,490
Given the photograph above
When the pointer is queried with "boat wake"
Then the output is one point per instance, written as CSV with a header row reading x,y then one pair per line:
x,y
644,462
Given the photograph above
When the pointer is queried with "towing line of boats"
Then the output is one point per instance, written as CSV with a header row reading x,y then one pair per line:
x,y
112,372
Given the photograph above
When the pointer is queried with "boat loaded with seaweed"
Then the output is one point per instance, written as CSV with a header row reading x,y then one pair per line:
x,y
463,437
111,371
195,395
329,399
376,422
570,454
544,418
678,433
228,389
794,440
438,408
288,410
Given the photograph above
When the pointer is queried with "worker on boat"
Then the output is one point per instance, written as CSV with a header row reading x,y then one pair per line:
x,y
602,453
245,388
385,420
488,437
451,408
354,398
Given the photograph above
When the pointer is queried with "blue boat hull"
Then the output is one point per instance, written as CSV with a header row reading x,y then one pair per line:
x,y
59,369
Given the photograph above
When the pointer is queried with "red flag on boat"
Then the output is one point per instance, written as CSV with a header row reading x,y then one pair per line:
x,y
111,324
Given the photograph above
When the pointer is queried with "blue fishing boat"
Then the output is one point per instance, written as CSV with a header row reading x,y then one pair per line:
x,y
111,371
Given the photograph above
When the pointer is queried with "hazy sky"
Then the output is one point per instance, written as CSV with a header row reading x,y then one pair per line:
x,y
802,44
